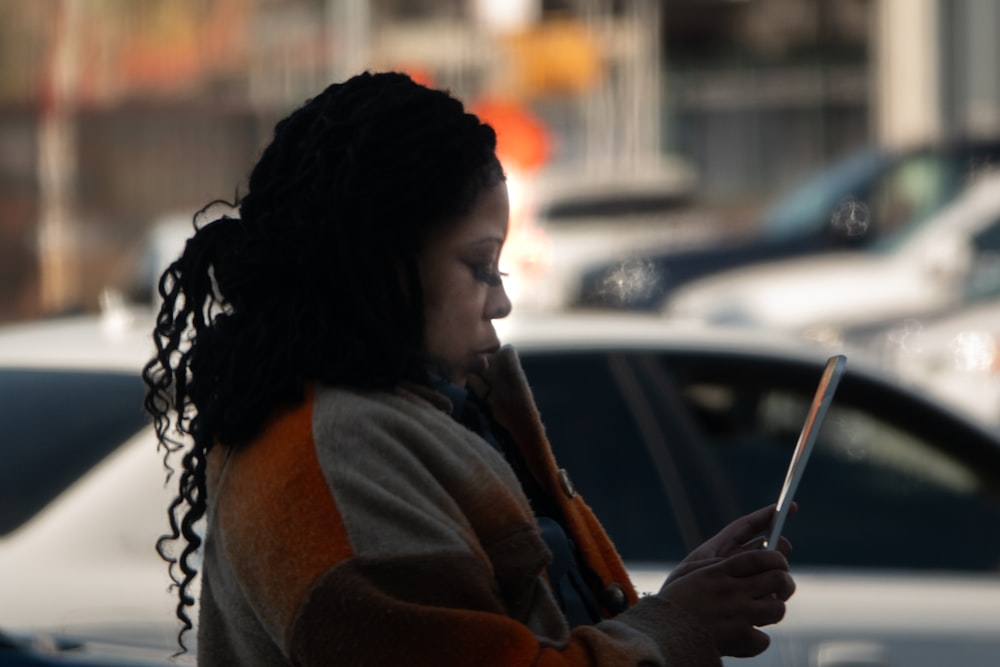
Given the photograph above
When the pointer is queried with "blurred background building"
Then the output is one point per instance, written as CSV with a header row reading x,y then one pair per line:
x,y
117,113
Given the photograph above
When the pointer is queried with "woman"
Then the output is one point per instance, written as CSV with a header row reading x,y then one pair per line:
x,y
375,481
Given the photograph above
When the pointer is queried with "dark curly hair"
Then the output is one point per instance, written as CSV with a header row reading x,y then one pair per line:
x,y
314,279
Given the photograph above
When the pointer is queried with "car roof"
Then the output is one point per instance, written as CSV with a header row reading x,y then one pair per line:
x,y
123,341
592,330
663,175
618,330
118,340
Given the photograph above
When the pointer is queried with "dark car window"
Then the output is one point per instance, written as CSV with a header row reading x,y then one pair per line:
x,y
911,192
648,205
54,426
894,194
717,439
873,495
987,241
809,207
984,273
919,186
596,438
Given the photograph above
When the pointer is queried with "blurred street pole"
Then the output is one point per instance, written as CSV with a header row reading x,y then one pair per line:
x,y
57,238
643,88
622,117
907,72
970,53
350,29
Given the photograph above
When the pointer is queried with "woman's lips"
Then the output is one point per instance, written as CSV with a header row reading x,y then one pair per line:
x,y
483,358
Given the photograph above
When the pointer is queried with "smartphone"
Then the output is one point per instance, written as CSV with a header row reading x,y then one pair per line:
x,y
803,448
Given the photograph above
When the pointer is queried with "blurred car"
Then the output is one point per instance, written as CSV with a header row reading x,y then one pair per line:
x,y
53,651
567,219
949,259
953,354
668,432
81,492
871,196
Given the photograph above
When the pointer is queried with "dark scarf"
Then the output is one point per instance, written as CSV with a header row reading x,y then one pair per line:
x,y
575,598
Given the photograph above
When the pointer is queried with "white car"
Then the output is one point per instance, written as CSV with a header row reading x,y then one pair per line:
x,y
952,257
82,491
955,355
566,221
668,432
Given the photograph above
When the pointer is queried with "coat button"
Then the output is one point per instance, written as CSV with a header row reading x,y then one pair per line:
x,y
615,599
566,483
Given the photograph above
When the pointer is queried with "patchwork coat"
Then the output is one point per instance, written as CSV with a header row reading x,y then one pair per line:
x,y
371,528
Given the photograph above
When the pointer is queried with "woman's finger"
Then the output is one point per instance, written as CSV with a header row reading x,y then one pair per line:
x,y
751,563
771,585
767,611
784,546
746,645
750,527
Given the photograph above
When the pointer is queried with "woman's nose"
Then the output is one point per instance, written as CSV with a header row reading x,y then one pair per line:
x,y
499,305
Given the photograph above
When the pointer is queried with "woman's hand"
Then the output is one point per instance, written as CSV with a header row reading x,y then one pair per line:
x,y
744,534
733,586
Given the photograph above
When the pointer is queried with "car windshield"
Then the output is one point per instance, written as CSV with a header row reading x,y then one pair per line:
x,y
54,426
809,206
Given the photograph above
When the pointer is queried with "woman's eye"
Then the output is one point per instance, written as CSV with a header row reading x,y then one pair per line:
x,y
485,273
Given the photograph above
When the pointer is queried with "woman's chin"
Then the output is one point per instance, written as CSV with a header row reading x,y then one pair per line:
x,y
479,364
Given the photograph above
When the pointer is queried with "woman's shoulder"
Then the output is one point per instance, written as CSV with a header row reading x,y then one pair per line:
x,y
395,429
351,404
405,409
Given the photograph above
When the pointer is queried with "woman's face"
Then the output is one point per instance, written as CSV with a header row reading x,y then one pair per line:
x,y
463,290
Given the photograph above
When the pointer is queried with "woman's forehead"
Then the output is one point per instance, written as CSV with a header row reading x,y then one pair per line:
x,y
485,223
